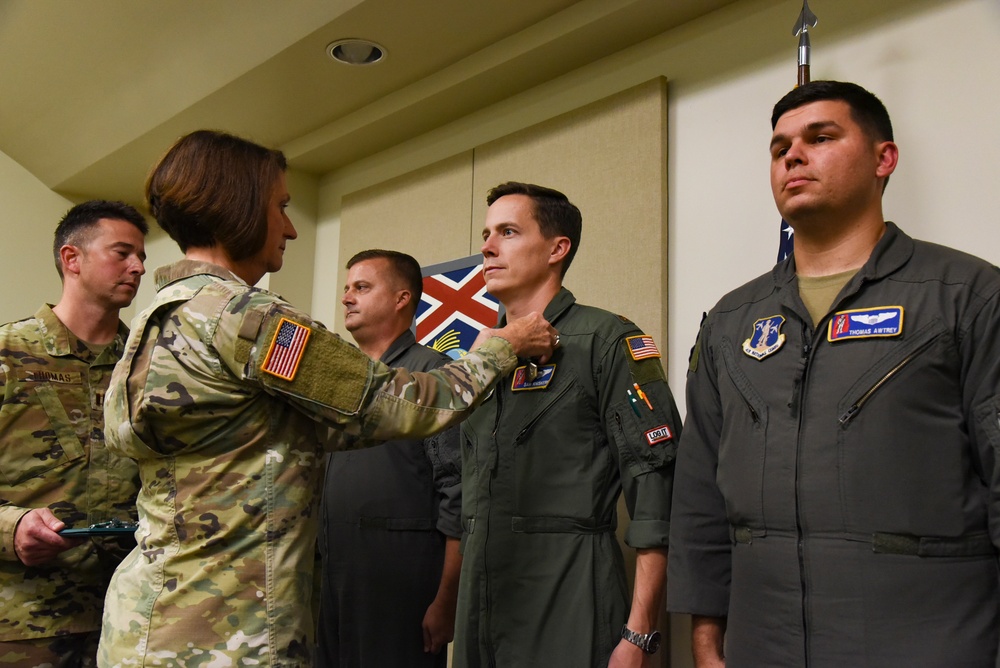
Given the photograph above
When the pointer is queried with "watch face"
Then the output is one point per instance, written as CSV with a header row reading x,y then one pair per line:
x,y
653,643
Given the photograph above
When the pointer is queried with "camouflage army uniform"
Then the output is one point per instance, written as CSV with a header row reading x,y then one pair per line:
x,y
52,454
229,455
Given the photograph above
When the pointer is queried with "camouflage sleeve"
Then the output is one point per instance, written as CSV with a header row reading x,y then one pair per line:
x,y
10,515
293,356
416,404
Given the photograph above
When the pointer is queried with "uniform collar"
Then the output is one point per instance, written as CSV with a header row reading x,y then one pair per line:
x,y
186,268
556,308
59,341
398,347
891,252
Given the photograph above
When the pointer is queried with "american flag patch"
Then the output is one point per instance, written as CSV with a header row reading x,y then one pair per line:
x,y
642,347
286,350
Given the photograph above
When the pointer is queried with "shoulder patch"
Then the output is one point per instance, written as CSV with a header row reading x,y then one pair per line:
x,y
285,353
695,355
642,347
644,368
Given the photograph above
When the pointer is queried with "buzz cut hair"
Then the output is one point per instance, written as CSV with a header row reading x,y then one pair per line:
x,y
78,225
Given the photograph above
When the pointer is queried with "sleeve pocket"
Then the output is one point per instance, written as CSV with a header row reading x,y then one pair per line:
x,y
646,441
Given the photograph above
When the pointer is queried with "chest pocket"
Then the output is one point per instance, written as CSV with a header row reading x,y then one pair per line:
x,y
742,442
41,429
560,451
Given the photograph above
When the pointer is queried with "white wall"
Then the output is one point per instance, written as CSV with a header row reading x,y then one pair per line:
x,y
932,62
27,269
933,70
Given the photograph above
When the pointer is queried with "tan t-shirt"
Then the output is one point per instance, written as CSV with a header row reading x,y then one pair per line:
x,y
818,292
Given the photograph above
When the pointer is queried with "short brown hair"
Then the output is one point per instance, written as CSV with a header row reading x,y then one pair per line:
x,y
405,266
555,214
214,188
78,225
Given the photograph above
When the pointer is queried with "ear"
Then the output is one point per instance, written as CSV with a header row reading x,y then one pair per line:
x,y
403,298
560,249
888,156
70,256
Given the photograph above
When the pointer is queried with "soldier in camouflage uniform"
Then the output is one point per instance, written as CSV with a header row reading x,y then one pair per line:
x,y
227,396
55,471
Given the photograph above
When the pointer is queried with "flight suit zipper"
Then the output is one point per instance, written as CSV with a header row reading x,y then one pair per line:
x,y
753,413
856,407
485,627
796,403
554,400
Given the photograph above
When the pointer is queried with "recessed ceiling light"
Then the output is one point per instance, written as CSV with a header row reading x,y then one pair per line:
x,y
355,51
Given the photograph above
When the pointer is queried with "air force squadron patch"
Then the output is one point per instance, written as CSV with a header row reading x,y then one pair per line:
x,y
767,338
866,323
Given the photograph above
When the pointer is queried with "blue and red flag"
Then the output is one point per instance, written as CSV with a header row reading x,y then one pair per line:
x,y
455,306
787,242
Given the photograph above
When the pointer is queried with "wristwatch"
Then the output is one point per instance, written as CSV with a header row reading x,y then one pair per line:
x,y
647,642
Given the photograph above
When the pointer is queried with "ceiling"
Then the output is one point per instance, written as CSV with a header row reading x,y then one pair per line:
x,y
93,91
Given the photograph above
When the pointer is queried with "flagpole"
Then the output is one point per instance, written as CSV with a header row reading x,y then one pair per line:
x,y
806,20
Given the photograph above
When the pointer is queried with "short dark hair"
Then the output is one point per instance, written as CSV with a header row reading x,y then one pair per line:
x,y
214,188
866,109
77,226
405,266
556,215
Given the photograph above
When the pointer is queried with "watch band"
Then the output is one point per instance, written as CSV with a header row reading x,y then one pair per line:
x,y
647,642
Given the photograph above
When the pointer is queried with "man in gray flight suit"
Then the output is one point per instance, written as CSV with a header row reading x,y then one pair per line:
x,y
390,519
837,484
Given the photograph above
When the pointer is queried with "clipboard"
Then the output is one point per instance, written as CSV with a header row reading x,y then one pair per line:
x,y
109,528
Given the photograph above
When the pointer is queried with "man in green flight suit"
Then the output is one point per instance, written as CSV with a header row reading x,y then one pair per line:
x,y
545,458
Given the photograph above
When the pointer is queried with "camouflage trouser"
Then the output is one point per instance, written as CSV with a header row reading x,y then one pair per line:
x,y
77,650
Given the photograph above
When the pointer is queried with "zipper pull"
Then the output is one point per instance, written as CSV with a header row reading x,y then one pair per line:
x,y
849,415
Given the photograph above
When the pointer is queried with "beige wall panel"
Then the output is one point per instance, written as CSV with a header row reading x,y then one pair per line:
x,y
610,159
31,212
424,213
295,280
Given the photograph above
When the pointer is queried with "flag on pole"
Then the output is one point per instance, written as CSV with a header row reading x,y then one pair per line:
x,y
787,241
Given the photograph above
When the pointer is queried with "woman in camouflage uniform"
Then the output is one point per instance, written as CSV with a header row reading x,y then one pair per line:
x,y
226,397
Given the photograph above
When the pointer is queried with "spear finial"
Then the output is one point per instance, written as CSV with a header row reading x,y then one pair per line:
x,y
805,21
